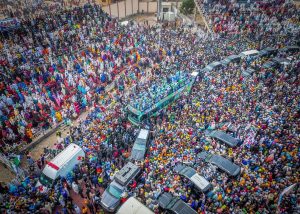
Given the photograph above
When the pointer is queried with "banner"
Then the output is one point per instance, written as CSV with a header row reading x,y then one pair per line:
x,y
286,191
9,24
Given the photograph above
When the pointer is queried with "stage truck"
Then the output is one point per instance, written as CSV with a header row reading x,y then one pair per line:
x,y
171,91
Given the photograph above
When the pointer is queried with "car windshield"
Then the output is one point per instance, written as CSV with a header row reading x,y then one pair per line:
x,y
139,146
45,180
115,191
189,172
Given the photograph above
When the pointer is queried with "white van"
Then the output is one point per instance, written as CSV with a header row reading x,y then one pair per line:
x,y
132,206
61,165
140,146
200,182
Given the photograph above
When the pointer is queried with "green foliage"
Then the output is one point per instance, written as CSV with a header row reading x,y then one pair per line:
x,y
187,7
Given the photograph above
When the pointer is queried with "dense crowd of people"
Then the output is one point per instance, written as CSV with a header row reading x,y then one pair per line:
x,y
253,19
51,76
151,92
58,65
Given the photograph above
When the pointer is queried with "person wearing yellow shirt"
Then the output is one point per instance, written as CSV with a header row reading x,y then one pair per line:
x,y
58,116
84,210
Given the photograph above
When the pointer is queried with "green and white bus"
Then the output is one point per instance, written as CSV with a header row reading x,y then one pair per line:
x,y
136,116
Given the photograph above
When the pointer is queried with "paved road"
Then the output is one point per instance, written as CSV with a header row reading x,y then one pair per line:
x,y
38,150
5,174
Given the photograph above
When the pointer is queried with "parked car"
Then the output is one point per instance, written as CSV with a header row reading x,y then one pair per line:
x,y
267,52
251,53
222,163
200,183
270,64
248,73
229,59
173,205
281,61
140,146
292,49
212,66
225,138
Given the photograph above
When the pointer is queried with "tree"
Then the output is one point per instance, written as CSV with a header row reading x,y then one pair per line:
x,y
187,7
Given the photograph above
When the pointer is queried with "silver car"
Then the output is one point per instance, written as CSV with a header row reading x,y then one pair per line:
x,y
110,198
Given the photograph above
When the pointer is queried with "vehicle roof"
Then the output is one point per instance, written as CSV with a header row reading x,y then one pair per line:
x,y
226,138
250,52
192,175
66,154
268,50
179,207
281,60
229,59
164,199
233,57
143,134
133,110
211,66
225,164
133,206
287,48
179,167
53,166
137,154
269,64
114,183
200,182
126,174
139,146
204,155
184,170
214,64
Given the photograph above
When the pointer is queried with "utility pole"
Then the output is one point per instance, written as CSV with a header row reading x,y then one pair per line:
x,y
158,9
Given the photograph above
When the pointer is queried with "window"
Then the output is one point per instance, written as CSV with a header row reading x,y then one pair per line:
x,y
115,191
45,180
138,146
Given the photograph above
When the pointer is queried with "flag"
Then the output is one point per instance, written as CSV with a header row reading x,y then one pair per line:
x,y
16,160
287,190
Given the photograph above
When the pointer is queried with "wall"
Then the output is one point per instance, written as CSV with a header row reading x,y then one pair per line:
x,y
125,8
